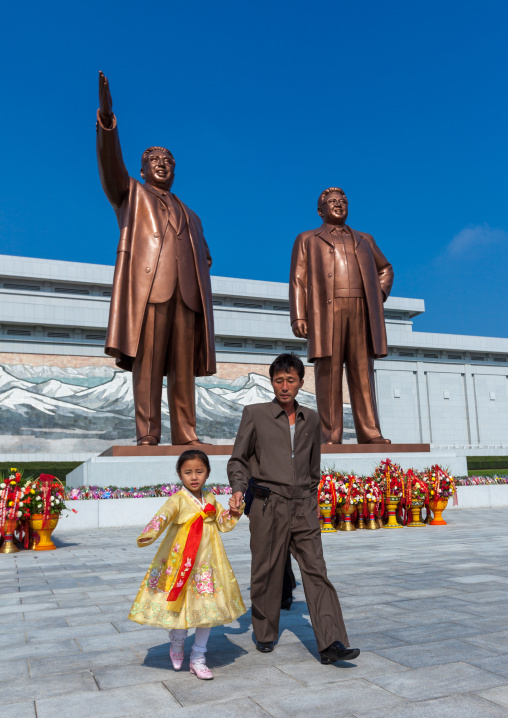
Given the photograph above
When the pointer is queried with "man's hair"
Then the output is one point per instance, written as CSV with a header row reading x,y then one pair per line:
x,y
326,192
146,153
286,362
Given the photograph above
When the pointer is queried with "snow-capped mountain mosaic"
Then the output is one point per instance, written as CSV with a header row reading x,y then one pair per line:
x,y
87,409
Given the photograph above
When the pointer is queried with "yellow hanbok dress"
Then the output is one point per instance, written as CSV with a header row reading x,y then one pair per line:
x,y
210,596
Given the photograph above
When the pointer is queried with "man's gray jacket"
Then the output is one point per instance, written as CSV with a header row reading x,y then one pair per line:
x,y
263,451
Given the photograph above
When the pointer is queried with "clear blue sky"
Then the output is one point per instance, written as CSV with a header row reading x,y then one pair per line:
x,y
264,104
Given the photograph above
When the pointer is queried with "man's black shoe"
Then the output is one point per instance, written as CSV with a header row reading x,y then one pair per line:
x,y
265,647
286,605
338,652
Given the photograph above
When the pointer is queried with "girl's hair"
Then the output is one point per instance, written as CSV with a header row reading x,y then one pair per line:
x,y
189,455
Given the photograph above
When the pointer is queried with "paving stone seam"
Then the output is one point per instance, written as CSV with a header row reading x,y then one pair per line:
x,y
173,695
488,700
260,706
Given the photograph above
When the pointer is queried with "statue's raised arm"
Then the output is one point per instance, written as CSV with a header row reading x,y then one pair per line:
x,y
112,171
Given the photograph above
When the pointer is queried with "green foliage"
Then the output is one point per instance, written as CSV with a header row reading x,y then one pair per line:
x,y
478,465
60,469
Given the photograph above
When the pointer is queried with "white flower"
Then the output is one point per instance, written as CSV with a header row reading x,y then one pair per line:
x,y
19,514
2,486
21,503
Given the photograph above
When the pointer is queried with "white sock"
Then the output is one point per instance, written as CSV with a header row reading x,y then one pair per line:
x,y
177,637
199,647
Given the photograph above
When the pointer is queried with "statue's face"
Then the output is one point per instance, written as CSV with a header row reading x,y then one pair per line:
x,y
159,169
334,209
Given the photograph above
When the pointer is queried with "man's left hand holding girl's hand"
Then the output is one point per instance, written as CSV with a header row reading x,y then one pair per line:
x,y
234,506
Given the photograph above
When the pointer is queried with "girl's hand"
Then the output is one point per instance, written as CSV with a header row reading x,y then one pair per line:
x,y
232,507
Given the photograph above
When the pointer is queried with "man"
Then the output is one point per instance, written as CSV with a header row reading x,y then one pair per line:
x,y
161,315
338,282
279,445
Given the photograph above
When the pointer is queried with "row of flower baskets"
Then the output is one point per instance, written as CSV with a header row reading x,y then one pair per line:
x,y
390,498
29,510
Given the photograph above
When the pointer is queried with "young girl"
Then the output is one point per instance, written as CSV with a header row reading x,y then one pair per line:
x,y
190,582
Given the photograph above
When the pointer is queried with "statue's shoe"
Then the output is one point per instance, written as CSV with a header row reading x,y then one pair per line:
x,y
148,441
377,440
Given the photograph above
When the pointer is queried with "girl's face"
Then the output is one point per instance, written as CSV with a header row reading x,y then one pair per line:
x,y
194,475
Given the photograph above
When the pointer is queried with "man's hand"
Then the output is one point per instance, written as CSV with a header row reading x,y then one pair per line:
x,y
105,101
235,502
232,508
299,328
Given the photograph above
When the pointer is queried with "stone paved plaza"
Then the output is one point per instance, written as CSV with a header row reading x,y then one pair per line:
x,y
428,607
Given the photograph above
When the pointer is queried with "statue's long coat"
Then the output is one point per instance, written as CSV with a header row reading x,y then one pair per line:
x,y
138,255
311,288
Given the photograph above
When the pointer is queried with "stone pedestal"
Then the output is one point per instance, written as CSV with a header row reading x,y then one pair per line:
x,y
143,465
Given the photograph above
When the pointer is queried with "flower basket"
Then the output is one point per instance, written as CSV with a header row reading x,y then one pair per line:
x,y
14,509
46,504
390,478
328,493
441,488
373,499
354,496
417,496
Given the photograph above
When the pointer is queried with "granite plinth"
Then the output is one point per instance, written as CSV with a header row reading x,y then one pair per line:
x,y
226,449
142,465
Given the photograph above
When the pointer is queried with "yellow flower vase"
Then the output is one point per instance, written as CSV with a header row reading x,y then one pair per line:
x,y
360,524
45,543
326,513
339,519
392,503
371,521
348,525
416,510
8,545
437,509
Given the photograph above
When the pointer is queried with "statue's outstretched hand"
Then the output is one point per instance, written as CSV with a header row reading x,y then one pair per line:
x,y
299,328
105,101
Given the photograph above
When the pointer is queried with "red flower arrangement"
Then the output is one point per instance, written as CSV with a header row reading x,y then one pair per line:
x,y
355,491
390,479
47,497
372,490
416,486
441,484
331,489
14,502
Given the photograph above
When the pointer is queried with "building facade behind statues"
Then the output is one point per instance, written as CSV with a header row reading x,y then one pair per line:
x,y
161,316
338,282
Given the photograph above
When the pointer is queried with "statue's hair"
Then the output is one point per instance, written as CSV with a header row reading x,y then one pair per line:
x,y
145,154
330,190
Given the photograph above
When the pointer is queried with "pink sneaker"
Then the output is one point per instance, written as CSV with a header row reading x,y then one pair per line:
x,y
202,671
176,658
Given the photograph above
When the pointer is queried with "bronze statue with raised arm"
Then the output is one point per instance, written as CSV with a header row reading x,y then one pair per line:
x,y
161,315
339,280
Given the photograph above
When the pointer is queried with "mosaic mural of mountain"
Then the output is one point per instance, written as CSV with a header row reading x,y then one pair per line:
x,y
87,409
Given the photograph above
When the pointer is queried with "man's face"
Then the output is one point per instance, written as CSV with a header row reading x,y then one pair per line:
x,y
286,385
159,169
334,209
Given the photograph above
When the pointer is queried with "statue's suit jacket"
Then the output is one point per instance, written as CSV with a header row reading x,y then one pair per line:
x,y
311,288
138,254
